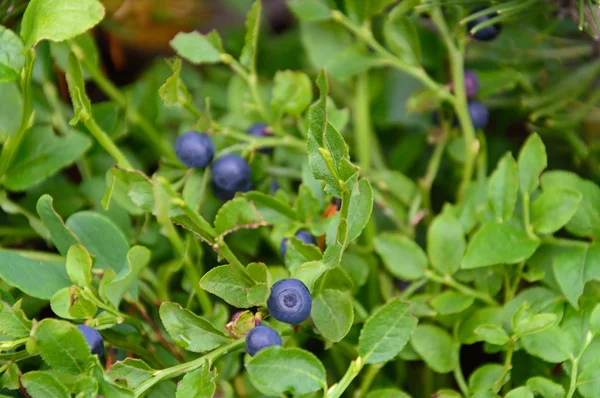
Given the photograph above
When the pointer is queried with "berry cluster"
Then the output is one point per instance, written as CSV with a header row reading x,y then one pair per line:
x,y
289,302
230,173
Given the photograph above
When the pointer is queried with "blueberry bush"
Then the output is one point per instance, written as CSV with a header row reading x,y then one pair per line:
x,y
385,199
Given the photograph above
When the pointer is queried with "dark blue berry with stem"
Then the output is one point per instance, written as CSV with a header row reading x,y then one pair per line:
x,y
230,174
489,32
93,339
260,338
290,301
303,235
479,114
194,149
261,130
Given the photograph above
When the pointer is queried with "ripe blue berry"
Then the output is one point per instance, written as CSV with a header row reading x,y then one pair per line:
x,y
302,235
194,149
488,33
479,114
261,337
471,83
261,130
290,301
93,339
230,174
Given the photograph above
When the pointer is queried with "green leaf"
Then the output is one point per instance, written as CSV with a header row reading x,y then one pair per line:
x,y
534,324
12,58
276,370
195,48
484,377
389,393
545,388
402,257
59,20
40,279
292,93
532,161
133,371
42,154
551,345
82,107
62,346
13,322
573,267
79,266
446,243
333,314
588,380
503,188
586,221
44,385
309,272
363,10
174,92
335,279
402,38
10,113
397,184
298,253
386,332
225,282
451,302
595,320
126,280
248,55
310,10
131,189
236,214
102,239
273,210
259,292
360,208
553,209
11,378
436,347
190,331
496,243
78,305
62,237
352,61
492,334
198,384
86,48
327,151
519,392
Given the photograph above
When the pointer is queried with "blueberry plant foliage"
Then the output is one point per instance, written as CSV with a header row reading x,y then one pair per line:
x,y
454,258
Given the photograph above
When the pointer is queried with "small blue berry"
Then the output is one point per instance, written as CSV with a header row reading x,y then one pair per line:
x,y
231,174
479,114
471,83
488,33
261,130
261,337
194,149
93,339
290,301
303,235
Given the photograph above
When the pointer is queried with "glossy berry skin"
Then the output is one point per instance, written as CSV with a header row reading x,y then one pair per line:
x,y
261,337
194,150
290,301
230,174
488,33
471,83
302,235
260,130
93,339
479,114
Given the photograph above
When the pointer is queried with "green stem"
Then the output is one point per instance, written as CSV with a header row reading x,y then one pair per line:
x,y
362,122
507,365
432,170
550,240
22,232
368,378
460,379
105,141
526,218
573,382
178,370
410,290
451,282
203,299
338,389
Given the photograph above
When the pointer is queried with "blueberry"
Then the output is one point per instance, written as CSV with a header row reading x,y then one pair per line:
x,y
471,83
194,149
479,114
261,337
230,174
488,33
224,196
337,202
93,339
290,301
261,130
302,235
